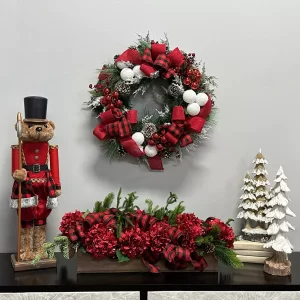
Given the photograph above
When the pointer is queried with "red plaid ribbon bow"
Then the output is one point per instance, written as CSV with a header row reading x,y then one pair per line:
x,y
156,58
77,233
142,219
108,218
178,130
179,257
115,124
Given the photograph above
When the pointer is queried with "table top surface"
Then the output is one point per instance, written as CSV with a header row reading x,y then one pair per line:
x,y
64,279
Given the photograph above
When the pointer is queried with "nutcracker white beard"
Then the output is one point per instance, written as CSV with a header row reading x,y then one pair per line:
x,y
37,132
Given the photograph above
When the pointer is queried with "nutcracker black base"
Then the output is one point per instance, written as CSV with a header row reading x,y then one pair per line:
x,y
27,265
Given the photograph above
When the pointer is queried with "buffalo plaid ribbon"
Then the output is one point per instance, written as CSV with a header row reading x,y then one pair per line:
x,y
115,124
179,130
108,218
156,59
77,233
120,128
179,257
150,258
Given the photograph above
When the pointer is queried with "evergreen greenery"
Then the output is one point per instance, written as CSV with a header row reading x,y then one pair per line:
x,y
105,205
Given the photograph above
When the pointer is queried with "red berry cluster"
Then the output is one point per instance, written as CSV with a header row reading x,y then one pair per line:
x,y
193,78
159,140
111,99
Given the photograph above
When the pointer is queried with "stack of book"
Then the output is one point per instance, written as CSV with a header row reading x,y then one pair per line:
x,y
252,252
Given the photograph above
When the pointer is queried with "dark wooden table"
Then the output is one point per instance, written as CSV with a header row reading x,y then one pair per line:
x,y
65,279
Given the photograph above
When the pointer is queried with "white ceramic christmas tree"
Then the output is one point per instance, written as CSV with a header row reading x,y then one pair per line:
x,y
249,207
279,264
256,207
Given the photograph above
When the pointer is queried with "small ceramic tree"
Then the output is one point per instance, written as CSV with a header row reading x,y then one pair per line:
x,y
255,230
248,206
279,264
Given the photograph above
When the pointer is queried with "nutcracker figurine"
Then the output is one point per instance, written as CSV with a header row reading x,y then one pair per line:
x,y
36,179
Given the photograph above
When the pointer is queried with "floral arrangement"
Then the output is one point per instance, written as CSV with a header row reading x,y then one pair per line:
x,y
158,233
186,98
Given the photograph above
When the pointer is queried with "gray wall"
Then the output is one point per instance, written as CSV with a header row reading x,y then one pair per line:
x,y
52,48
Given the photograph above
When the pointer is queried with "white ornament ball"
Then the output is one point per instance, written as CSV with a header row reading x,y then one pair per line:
x,y
138,137
127,74
137,71
201,99
193,109
121,65
189,96
150,151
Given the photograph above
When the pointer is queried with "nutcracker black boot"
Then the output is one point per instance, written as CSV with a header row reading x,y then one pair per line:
x,y
39,240
26,246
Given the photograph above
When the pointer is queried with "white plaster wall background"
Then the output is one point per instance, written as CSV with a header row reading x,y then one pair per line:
x,y
73,296
52,48
223,295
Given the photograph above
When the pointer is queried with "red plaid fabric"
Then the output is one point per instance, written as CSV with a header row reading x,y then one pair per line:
x,y
120,128
168,74
27,190
198,262
186,140
150,259
176,129
145,221
108,218
142,220
147,56
77,233
175,235
162,61
178,257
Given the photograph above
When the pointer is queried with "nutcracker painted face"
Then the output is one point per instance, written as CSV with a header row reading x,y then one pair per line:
x,y
37,132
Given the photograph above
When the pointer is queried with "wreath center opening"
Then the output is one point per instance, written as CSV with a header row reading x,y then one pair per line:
x,y
150,100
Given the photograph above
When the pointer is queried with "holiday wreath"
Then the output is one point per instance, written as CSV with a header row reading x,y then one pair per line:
x,y
187,102
159,233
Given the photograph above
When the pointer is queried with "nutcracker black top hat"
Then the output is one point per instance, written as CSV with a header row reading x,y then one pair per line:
x,y
35,109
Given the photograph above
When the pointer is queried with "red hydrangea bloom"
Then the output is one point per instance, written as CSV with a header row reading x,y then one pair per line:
x,y
191,228
226,232
69,222
159,236
101,241
133,242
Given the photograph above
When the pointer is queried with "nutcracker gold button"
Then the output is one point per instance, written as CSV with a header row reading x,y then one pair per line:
x,y
36,151
36,157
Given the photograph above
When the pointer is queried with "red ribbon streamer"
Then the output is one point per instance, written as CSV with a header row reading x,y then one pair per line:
x,y
115,124
178,130
156,58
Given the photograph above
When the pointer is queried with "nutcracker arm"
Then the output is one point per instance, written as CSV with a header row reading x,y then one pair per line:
x,y
14,158
54,165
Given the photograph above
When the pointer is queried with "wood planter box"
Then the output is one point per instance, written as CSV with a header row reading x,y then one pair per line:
x,y
86,264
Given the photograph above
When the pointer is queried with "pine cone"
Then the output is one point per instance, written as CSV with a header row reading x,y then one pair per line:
x,y
175,90
209,248
123,88
148,130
